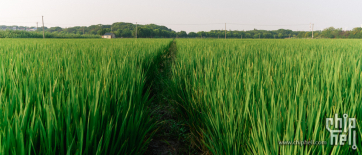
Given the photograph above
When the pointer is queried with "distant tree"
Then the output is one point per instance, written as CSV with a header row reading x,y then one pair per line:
x,y
308,35
192,35
328,32
280,35
182,34
101,31
301,34
144,32
118,33
53,29
315,35
201,34
126,33
267,35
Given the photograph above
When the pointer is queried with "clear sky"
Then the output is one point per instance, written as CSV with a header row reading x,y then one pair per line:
x,y
196,15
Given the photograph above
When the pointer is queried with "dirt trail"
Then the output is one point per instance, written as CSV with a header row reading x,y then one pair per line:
x,y
168,139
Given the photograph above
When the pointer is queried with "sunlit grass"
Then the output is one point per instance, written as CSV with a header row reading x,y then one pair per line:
x,y
244,96
75,96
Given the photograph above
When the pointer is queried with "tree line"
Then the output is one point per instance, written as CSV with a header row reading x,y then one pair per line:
x,y
34,34
128,30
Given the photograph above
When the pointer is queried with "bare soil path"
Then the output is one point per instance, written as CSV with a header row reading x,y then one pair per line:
x,y
171,136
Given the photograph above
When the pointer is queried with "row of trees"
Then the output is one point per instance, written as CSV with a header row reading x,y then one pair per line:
x,y
128,30
34,34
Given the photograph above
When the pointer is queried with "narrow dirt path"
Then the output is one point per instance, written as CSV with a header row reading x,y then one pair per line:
x,y
169,139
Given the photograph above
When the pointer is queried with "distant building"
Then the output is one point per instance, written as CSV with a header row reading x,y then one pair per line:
x,y
109,36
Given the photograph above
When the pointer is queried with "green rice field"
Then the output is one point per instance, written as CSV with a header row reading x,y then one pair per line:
x,y
75,96
234,96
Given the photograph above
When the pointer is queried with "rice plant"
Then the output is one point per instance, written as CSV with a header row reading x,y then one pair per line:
x,y
244,96
75,96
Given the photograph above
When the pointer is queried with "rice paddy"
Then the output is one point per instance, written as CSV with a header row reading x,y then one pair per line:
x,y
235,96
244,96
75,96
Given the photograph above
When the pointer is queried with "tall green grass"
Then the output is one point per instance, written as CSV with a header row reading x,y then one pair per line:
x,y
75,96
244,96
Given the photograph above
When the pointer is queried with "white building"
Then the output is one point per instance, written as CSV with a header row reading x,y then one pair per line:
x,y
109,35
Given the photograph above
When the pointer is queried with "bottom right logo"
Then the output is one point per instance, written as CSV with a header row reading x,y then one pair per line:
x,y
342,128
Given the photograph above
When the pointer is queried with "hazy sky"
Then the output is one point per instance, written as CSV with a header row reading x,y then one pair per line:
x,y
196,15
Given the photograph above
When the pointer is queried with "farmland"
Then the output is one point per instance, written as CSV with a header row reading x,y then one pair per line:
x,y
234,96
243,96
75,96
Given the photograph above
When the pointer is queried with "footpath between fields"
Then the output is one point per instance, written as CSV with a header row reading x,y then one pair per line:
x,y
171,135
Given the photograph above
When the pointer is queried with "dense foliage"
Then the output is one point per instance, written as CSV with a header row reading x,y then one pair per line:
x,y
244,96
127,30
275,34
75,96
233,96
32,34
121,30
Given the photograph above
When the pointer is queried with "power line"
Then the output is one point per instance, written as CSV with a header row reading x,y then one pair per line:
x,y
226,23
19,17
195,24
267,25
14,22
145,23
187,24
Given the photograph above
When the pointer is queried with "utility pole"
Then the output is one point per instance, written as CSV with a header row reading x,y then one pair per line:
x,y
136,30
36,26
225,30
312,31
42,18
83,30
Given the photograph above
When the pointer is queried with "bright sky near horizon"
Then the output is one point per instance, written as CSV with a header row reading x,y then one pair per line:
x,y
187,15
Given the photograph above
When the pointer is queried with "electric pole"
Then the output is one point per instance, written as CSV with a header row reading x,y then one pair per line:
x,y
225,30
42,18
312,31
136,30
83,30
36,26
